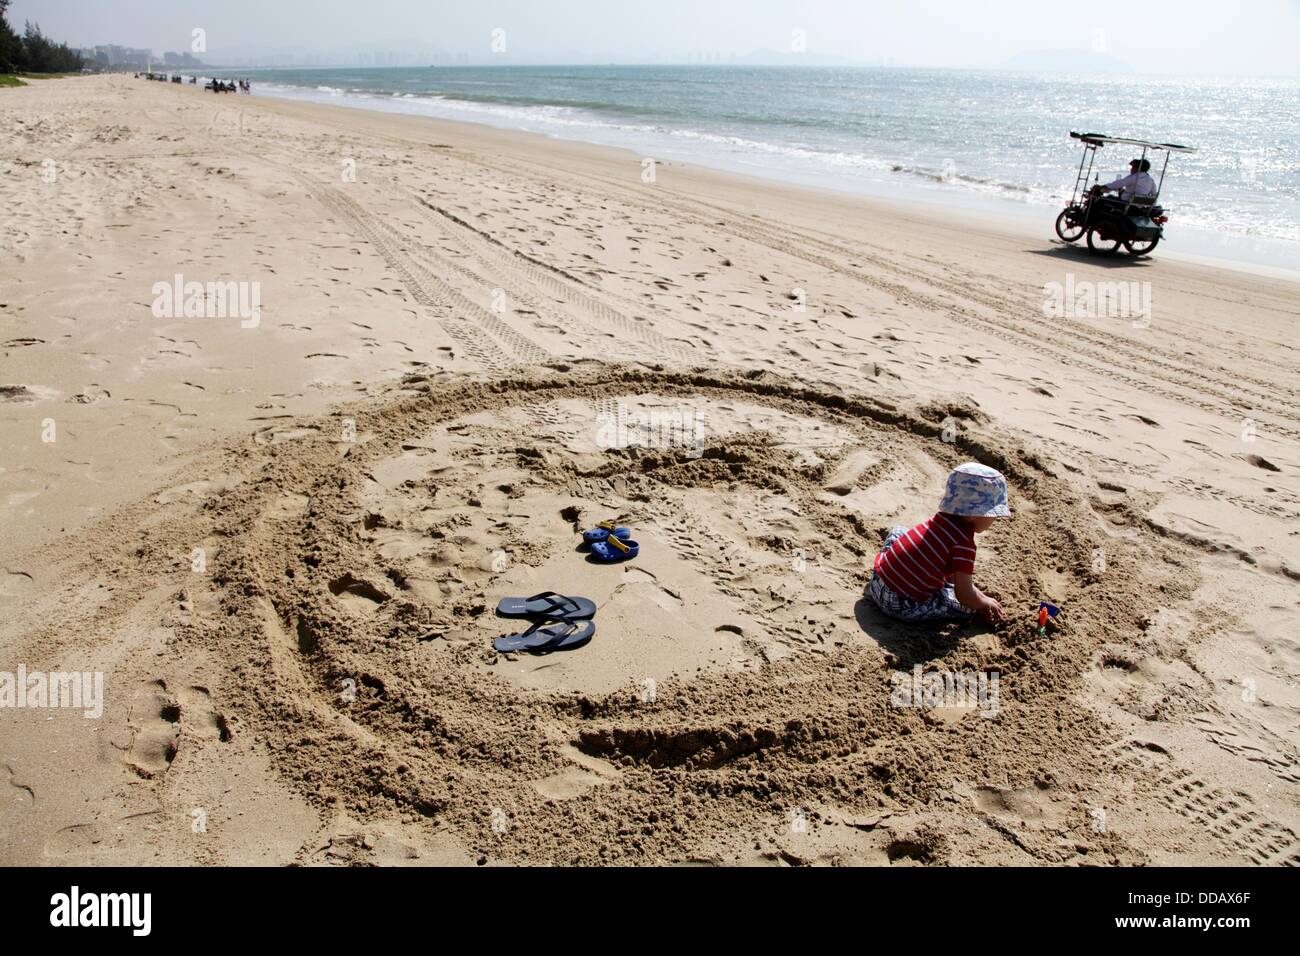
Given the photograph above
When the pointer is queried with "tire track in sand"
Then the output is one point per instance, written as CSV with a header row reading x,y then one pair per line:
x,y
1083,350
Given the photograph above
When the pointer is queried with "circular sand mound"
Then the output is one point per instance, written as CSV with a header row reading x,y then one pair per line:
x,y
736,678
729,500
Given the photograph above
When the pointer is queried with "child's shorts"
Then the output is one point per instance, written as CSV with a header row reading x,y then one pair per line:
x,y
940,606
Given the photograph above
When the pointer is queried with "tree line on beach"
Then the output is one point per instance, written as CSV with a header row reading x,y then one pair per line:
x,y
33,52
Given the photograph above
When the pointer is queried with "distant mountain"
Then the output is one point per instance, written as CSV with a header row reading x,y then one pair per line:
x,y
1069,60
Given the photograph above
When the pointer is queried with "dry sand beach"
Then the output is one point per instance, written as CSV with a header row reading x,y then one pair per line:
x,y
281,540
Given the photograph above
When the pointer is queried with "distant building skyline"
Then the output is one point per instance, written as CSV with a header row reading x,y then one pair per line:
x,y
112,56
1175,36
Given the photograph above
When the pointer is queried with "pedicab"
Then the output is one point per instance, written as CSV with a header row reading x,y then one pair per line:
x,y
1136,223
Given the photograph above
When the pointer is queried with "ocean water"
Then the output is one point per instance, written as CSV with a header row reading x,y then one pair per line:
x,y
947,135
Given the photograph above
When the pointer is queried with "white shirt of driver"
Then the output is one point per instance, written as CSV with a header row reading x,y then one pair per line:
x,y
1134,184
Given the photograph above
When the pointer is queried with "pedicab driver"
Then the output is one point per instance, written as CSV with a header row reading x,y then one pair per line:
x,y
1137,184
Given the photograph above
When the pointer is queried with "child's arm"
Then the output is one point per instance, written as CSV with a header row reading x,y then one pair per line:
x,y
975,599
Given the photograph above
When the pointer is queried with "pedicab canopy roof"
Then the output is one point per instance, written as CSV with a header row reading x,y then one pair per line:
x,y
1101,139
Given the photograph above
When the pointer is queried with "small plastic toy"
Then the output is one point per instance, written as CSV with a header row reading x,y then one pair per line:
x,y
1045,611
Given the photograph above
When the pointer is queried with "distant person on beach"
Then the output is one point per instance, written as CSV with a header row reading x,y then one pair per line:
x,y
1137,184
926,572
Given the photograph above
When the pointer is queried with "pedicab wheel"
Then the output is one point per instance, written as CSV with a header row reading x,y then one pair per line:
x,y
1141,247
1103,247
1067,232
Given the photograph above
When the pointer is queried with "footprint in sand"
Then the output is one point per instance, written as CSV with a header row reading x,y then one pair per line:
x,y
1144,420
202,489
1029,806
201,715
26,394
155,723
357,594
1259,462
81,842
274,436
645,584
16,393
26,792
849,470
14,583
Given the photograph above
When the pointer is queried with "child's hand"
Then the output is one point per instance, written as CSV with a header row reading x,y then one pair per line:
x,y
991,610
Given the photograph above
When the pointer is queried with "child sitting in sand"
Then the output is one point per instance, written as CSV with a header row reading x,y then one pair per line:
x,y
925,573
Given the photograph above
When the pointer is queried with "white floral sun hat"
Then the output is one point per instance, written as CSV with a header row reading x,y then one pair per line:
x,y
976,491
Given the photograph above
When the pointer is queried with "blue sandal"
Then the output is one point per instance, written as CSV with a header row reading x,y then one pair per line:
x,y
603,530
615,549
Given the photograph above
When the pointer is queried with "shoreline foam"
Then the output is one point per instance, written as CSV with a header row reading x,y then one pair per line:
x,y
807,166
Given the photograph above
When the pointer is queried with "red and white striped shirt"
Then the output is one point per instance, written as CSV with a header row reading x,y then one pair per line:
x,y
922,561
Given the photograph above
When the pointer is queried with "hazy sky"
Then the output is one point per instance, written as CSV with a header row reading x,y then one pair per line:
x,y
1166,36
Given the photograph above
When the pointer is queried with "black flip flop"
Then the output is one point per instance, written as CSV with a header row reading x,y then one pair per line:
x,y
549,605
547,636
